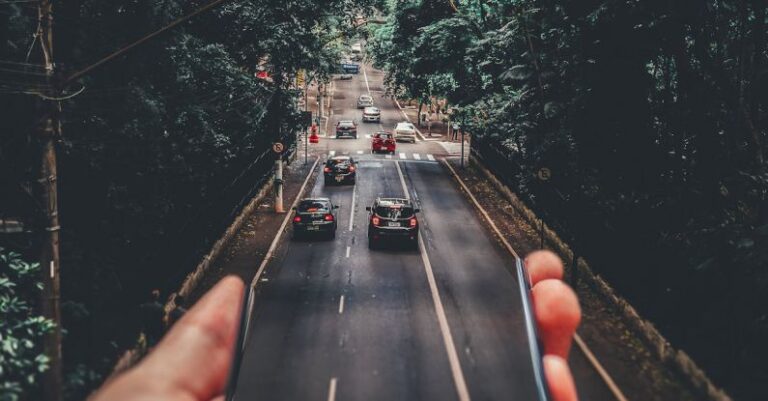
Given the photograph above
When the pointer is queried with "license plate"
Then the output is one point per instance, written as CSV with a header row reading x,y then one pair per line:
x,y
339,178
393,224
313,228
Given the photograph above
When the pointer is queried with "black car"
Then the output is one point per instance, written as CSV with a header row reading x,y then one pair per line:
x,y
346,128
340,170
315,216
392,220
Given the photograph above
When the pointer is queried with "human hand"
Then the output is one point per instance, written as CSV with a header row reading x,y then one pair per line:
x,y
192,361
557,313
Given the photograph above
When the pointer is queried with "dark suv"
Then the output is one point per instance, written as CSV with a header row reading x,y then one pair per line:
x,y
392,219
339,170
346,128
314,216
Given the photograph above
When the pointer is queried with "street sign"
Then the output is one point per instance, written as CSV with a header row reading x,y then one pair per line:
x,y
300,79
278,147
544,174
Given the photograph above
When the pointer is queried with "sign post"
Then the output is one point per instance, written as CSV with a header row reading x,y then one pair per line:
x,y
278,148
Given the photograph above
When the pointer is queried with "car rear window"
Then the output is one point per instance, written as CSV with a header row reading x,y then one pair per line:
x,y
384,136
394,212
346,124
311,206
365,98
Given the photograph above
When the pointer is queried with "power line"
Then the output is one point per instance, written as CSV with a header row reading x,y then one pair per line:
x,y
147,37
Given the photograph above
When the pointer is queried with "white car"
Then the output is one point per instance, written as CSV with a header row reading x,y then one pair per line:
x,y
364,101
405,131
372,114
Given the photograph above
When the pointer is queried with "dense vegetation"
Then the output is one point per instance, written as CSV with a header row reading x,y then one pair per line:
x,y
652,117
160,149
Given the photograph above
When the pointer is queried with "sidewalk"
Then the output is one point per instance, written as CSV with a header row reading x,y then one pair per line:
x,y
438,125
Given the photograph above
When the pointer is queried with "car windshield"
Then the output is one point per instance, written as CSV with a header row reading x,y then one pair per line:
x,y
384,136
311,206
346,124
394,211
334,162
365,98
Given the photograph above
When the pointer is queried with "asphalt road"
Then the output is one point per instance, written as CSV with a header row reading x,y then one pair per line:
x,y
334,320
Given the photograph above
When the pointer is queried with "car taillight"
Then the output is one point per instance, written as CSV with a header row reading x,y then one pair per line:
x,y
297,219
413,222
375,220
328,217
327,170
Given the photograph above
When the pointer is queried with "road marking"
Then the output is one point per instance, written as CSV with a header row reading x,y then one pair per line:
x,y
366,81
332,389
417,156
275,241
348,250
402,155
331,152
388,156
341,305
579,341
359,152
352,209
368,136
445,329
430,157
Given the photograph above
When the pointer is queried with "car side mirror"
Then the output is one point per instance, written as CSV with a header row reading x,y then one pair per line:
x,y
367,208
416,210
335,206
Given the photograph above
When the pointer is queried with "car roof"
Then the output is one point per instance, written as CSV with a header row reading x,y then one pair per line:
x,y
316,200
410,125
372,108
346,122
365,97
339,158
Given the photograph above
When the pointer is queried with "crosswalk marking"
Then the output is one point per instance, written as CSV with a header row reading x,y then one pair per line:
x,y
400,155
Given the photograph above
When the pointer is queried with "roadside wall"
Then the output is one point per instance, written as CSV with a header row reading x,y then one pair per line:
x,y
644,329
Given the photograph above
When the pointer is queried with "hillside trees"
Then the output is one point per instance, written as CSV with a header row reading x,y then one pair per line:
x,y
652,117
161,147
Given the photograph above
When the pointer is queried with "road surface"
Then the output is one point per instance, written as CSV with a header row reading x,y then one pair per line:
x,y
333,320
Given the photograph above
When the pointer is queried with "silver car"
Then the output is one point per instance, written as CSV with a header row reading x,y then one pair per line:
x,y
364,101
372,114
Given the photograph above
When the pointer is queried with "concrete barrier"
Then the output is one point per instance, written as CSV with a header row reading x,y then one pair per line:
x,y
645,330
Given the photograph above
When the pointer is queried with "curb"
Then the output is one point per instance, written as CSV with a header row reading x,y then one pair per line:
x,y
660,346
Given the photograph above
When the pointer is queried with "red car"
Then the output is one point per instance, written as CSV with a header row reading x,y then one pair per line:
x,y
383,142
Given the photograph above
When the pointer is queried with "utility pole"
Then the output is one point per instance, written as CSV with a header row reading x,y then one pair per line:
x,y
49,130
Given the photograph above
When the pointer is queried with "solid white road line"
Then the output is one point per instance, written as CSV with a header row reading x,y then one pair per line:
x,y
348,250
275,241
332,389
359,152
402,155
388,156
368,88
582,345
341,305
352,208
445,329
416,156
431,158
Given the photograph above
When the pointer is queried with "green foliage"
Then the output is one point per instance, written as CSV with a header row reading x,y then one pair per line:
x,y
163,145
22,359
652,116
